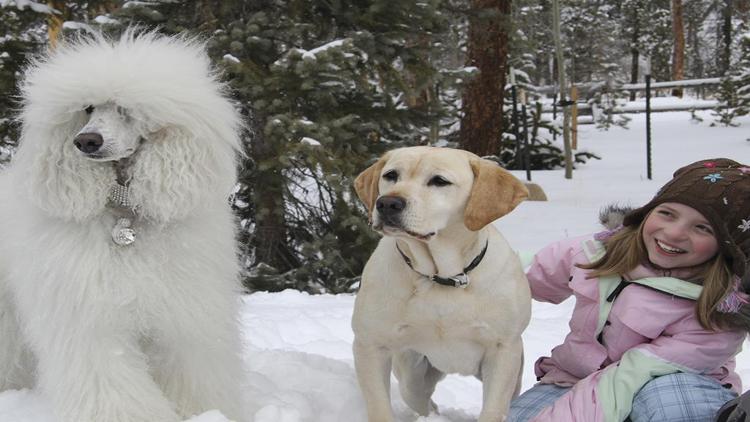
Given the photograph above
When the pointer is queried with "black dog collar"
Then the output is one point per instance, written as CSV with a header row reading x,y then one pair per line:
x,y
458,280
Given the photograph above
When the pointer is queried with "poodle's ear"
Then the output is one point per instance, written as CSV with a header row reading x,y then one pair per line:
x,y
50,172
366,184
495,192
174,172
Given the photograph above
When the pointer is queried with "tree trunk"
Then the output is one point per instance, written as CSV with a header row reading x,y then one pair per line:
x,y
634,56
55,21
678,50
742,9
693,32
726,38
568,150
270,239
482,122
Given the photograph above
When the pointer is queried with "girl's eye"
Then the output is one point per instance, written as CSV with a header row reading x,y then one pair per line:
x,y
705,229
439,181
89,109
391,176
664,213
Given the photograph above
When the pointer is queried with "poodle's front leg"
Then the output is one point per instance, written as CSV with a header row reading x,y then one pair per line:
x,y
95,374
201,369
16,368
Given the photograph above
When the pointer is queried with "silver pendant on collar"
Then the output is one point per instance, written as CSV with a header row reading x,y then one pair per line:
x,y
122,233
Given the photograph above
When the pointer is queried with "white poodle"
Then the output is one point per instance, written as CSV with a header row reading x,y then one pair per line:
x,y
118,276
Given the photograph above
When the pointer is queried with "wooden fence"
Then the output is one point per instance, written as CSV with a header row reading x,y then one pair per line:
x,y
585,111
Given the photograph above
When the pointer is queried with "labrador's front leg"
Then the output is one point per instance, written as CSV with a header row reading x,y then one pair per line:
x,y
501,371
373,366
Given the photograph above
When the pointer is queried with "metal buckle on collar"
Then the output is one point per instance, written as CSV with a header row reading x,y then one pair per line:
x,y
461,280
458,280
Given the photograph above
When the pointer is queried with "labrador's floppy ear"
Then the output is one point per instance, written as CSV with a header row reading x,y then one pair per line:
x,y
366,184
495,193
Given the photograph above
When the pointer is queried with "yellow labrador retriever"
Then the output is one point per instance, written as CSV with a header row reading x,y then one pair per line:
x,y
443,292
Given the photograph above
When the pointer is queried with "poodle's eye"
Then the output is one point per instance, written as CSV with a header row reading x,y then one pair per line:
x,y
89,109
439,181
391,175
121,111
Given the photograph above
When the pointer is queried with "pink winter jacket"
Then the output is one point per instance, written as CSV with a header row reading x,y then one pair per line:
x,y
616,346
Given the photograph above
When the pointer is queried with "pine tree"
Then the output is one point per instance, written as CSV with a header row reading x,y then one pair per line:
x,y
633,15
326,87
591,35
741,77
656,37
22,33
734,91
532,59
531,50
697,46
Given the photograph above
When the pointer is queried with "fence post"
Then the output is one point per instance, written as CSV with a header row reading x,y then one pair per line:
x,y
574,116
514,119
648,118
526,152
554,114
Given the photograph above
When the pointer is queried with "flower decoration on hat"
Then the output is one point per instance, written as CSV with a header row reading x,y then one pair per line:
x,y
745,226
713,177
745,170
709,164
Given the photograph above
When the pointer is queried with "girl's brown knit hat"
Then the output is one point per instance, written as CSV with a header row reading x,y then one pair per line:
x,y
720,190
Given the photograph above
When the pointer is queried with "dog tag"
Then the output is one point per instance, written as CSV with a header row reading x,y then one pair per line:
x,y
461,280
122,233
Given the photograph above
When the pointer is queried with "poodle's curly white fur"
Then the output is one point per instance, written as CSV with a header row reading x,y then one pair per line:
x,y
146,332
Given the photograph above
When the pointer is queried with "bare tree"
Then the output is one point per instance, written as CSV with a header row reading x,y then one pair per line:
x,y
568,150
725,53
678,51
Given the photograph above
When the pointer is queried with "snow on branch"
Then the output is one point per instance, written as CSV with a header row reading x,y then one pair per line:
x,y
78,26
333,44
33,5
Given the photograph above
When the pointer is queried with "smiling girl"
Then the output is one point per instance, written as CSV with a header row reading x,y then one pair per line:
x,y
661,307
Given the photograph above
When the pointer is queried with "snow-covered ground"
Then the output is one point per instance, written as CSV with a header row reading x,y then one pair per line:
x,y
298,347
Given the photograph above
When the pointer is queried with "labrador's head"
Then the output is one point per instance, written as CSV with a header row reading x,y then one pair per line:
x,y
418,191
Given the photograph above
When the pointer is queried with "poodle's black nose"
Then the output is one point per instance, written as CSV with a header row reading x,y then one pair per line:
x,y
88,142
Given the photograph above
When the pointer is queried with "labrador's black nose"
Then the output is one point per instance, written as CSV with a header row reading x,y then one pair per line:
x,y
88,142
390,206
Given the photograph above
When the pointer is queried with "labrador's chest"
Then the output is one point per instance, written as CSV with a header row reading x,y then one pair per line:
x,y
452,328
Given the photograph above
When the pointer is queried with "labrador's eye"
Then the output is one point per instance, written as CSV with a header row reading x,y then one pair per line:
x,y
391,176
89,109
439,181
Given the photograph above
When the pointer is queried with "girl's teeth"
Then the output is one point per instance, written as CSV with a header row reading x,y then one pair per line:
x,y
669,249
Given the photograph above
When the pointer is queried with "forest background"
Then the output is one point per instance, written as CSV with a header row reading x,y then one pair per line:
x,y
326,86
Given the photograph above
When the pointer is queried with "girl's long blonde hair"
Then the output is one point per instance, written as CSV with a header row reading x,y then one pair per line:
x,y
625,250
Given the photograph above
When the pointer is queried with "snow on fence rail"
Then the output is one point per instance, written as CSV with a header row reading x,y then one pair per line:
x,y
657,104
640,107
589,86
